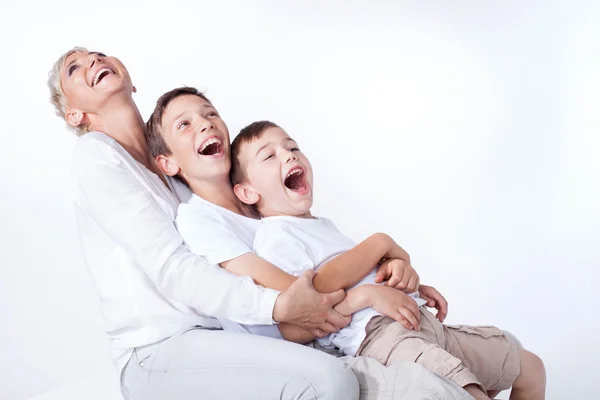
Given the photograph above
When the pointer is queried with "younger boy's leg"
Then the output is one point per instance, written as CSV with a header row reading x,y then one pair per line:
x,y
531,382
389,342
498,361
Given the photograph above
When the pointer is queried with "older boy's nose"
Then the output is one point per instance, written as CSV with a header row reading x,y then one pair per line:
x,y
204,125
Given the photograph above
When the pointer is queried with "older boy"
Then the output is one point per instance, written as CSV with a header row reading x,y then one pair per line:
x,y
270,173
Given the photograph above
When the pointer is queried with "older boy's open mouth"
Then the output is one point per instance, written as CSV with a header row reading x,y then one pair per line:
x,y
211,147
296,181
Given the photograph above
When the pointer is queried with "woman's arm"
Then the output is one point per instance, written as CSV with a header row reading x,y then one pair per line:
x,y
110,196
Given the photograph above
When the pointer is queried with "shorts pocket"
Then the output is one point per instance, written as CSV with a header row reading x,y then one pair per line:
x,y
484,331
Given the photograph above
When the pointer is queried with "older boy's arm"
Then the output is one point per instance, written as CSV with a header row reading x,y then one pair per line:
x,y
349,268
263,272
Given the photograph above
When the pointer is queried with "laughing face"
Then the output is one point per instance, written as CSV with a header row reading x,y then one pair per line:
x,y
279,176
198,139
89,80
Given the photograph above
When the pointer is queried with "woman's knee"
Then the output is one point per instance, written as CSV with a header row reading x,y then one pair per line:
x,y
339,383
533,371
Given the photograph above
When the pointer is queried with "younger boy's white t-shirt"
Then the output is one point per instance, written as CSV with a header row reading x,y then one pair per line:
x,y
220,235
296,244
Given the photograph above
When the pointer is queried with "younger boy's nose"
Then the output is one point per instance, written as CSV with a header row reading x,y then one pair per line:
x,y
290,156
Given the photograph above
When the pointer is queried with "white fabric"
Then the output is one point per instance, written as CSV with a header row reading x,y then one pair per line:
x,y
149,284
296,244
219,235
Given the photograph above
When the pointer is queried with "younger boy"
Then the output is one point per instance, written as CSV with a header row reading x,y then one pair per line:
x,y
272,175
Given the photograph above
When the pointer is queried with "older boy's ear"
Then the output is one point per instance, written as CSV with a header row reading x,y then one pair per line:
x,y
166,165
246,194
74,117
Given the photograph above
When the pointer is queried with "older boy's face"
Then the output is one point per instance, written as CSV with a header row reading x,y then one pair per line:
x,y
280,173
197,137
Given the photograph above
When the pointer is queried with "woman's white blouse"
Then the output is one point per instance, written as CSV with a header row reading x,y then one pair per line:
x,y
150,286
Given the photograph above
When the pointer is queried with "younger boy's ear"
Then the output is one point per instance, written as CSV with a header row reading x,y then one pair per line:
x,y
74,117
166,165
246,194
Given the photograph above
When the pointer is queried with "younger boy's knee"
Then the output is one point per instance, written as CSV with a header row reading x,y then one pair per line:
x,y
533,371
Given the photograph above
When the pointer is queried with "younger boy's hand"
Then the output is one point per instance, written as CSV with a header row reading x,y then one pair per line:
x,y
395,304
398,274
434,299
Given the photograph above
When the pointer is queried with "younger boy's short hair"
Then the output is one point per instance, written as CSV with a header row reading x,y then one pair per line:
x,y
154,140
247,135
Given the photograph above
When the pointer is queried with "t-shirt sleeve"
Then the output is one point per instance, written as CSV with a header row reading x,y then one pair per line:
x,y
276,243
206,235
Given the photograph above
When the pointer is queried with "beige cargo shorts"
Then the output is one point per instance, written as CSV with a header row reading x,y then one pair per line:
x,y
480,355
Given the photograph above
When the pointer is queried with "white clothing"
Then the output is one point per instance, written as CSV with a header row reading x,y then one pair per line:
x,y
220,235
296,244
150,286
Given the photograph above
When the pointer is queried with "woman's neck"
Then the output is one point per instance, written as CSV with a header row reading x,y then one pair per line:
x,y
219,192
122,121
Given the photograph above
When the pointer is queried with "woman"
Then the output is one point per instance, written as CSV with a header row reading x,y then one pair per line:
x,y
155,294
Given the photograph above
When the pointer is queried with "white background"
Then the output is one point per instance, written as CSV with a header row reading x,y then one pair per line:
x,y
468,130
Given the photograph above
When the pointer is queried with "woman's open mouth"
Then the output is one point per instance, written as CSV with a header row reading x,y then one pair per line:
x,y
101,74
296,181
211,147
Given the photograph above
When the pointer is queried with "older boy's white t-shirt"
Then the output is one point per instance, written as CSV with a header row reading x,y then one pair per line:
x,y
219,235
296,244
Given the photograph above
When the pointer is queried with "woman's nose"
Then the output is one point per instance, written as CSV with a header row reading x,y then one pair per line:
x,y
94,58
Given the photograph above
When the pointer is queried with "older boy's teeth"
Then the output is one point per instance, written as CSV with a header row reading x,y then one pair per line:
x,y
208,143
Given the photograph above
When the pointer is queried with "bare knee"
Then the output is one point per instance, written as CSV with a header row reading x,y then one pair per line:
x,y
532,379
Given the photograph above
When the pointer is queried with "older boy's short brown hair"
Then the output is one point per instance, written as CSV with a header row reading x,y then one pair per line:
x,y
247,135
155,142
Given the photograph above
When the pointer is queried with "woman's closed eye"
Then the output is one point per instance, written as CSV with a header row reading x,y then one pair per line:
x,y
294,149
72,69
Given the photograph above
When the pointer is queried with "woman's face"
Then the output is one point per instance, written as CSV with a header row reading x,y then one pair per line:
x,y
89,80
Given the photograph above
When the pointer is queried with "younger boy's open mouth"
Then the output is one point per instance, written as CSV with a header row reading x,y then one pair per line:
x,y
211,147
296,181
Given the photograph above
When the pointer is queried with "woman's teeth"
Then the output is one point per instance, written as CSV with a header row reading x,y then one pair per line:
x,y
101,74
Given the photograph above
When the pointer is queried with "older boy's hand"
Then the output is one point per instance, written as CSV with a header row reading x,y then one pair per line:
x,y
302,305
434,300
395,304
398,274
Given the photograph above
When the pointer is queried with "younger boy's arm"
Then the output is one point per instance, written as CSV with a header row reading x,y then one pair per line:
x,y
349,268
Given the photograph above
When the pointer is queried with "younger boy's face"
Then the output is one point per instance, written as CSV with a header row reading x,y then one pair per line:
x,y
279,173
198,139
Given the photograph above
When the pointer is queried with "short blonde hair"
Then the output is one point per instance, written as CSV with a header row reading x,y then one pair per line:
x,y
57,96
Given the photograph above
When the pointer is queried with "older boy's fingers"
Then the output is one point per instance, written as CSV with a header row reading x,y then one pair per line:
x,y
410,317
381,273
413,284
395,279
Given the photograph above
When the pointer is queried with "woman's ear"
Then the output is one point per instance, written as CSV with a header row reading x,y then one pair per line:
x,y
246,194
166,165
74,117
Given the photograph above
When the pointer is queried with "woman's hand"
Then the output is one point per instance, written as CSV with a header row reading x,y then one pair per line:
x,y
303,306
398,274
434,300
395,304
